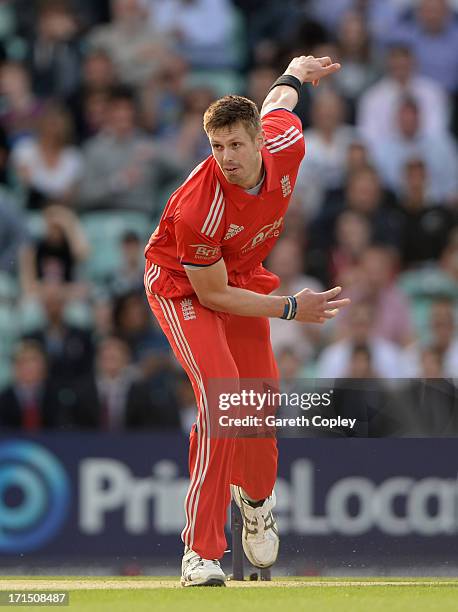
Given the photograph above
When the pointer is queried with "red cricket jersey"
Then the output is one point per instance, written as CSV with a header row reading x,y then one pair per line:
x,y
208,218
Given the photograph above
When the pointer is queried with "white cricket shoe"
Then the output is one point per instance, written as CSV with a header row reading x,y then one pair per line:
x,y
260,533
196,571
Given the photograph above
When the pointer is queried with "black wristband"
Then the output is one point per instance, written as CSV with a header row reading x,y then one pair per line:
x,y
290,81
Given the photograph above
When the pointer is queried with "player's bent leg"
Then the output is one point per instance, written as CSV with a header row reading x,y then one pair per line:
x,y
260,538
255,460
197,336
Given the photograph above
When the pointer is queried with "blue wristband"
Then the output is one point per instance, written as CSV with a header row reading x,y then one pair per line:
x,y
290,309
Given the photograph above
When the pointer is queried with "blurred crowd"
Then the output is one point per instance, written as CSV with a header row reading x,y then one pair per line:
x,y
101,109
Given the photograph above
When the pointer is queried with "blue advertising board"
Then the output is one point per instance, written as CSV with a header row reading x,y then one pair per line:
x,y
338,500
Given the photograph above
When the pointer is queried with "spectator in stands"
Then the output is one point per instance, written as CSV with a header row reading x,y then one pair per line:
x,y
69,349
352,238
259,80
90,102
21,109
363,195
308,195
378,106
435,281
116,398
13,235
328,140
162,97
380,15
104,396
290,365
54,52
443,340
432,365
128,277
449,257
136,49
48,166
444,334
358,70
425,226
293,379
286,261
386,357
102,313
188,142
375,283
147,409
201,30
431,399
360,365
98,71
433,37
363,395
439,152
94,113
123,168
269,26
33,400
55,255
135,326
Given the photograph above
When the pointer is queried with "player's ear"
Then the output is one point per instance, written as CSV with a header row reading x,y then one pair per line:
x,y
260,140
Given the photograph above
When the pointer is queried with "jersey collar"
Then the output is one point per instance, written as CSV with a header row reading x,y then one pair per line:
x,y
238,195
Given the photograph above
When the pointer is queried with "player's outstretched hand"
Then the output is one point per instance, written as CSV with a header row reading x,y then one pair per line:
x,y
319,307
310,69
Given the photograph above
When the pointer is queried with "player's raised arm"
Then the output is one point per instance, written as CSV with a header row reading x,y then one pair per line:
x,y
284,93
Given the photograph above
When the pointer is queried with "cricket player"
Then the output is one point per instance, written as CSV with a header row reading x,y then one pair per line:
x,y
207,287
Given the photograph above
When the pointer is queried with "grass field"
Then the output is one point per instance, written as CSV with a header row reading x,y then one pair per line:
x,y
90,594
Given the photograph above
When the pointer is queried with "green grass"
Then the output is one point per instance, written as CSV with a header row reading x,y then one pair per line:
x,y
351,599
431,596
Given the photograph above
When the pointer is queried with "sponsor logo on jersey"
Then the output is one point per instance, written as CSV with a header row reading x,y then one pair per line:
x,y
272,230
203,251
188,309
233,230
286,186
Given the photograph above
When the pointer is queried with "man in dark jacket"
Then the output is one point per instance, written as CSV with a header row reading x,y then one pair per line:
x,y
33,401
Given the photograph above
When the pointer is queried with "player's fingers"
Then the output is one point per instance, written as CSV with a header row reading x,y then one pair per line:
x,y
324,61
316,82
325,71
330,294
338,303
330,314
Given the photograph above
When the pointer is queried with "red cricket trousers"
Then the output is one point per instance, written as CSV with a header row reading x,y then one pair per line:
x,y
208,345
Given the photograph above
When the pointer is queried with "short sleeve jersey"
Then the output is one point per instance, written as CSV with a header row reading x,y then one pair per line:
x,y
208,218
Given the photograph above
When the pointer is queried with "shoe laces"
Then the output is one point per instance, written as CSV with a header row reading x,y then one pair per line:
x,y
197,561
258,520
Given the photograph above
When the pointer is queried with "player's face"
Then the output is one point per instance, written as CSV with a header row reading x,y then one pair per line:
x,y
238,154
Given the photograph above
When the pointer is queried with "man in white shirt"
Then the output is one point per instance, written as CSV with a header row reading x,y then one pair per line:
x,y
376,116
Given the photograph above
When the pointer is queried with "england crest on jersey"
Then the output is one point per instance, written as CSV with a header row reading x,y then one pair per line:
x,y
286,186
188,309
